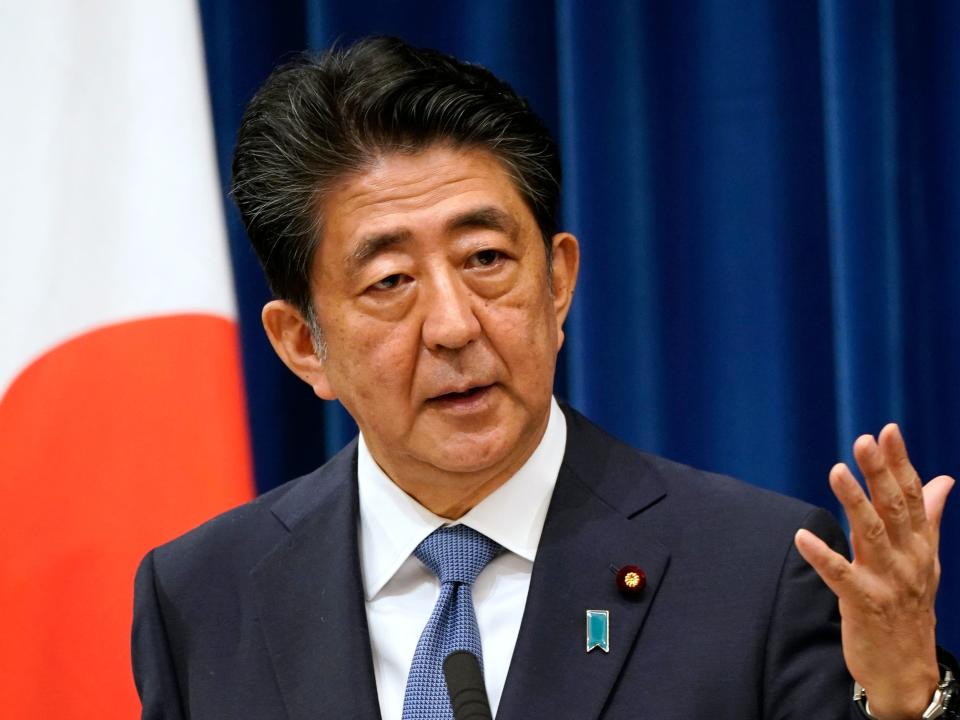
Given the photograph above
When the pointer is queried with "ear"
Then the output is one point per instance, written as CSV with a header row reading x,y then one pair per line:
x,y
566,264
290,336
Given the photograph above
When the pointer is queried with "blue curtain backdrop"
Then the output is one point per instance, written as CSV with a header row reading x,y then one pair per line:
x,y
768,200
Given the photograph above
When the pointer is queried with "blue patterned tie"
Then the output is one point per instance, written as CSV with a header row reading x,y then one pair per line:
x,y
457,555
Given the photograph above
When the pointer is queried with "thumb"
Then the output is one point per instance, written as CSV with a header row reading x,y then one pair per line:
x,y
934,499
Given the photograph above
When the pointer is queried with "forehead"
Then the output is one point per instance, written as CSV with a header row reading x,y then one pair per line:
x,y
414,192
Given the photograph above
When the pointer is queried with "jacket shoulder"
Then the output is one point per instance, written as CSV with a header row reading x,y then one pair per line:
x,y
236,540
680,494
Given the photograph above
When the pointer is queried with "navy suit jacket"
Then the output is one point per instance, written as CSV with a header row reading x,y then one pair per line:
x,y
259,613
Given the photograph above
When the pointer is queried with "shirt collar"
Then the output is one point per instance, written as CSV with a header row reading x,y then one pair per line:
x,y
392,523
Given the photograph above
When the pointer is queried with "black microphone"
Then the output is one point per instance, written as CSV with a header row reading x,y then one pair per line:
x,y
468,696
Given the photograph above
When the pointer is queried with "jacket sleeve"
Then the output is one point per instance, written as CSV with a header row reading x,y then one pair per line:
x,y
804,672
153,664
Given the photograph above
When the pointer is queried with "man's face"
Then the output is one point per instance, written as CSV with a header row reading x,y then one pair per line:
x,y
431,288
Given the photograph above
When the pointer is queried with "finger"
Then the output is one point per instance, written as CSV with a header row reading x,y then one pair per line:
x,y
935,498
885,493
868,531
832,567
894,451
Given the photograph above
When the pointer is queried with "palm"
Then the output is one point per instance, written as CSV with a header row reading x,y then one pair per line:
x,y
887,592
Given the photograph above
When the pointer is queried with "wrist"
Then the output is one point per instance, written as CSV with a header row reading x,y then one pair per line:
x,y
943,702
909,700
903,707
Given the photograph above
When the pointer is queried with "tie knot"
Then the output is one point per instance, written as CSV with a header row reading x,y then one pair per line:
x,y
457,553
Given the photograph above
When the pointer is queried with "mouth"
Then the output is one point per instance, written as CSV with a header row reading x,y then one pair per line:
x,y
469,399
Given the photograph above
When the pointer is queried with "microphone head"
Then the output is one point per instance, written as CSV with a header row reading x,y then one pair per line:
x,y
468,695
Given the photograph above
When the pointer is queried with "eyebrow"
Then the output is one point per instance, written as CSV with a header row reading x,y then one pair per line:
x,y
372,245
487,217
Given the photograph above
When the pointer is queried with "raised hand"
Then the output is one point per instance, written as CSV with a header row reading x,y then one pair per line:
x,y
887,592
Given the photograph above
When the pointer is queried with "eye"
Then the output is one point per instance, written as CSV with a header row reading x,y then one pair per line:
x,y
486,258
389,282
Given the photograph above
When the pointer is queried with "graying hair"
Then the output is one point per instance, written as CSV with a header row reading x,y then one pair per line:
x,y
316,333
323,118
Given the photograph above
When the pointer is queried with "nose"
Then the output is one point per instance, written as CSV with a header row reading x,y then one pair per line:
x,y
449,319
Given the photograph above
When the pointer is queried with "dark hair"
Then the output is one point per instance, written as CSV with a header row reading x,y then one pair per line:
x,y
320,118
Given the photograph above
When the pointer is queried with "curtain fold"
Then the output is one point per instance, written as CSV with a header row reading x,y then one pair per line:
x,y
864,185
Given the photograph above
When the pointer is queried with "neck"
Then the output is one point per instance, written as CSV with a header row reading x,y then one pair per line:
x,y
452,494
439,499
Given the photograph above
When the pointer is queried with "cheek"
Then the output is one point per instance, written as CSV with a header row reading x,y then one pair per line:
x,y
525,335
368,355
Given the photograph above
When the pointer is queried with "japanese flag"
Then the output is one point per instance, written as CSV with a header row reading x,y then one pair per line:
x,y
121,407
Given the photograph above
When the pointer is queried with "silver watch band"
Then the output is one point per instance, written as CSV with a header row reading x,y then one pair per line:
x,y
946,698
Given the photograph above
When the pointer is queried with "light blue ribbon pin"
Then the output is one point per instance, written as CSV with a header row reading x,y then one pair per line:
x,y
598,630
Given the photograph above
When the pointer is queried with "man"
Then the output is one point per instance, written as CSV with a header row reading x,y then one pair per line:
x,y
403,205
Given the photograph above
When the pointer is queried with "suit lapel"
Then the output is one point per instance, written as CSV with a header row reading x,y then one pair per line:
x,y
588,534
311,604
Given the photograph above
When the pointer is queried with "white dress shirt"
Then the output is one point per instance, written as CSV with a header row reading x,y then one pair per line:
x,y
400,591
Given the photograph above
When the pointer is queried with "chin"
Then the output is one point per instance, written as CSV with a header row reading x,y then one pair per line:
x,y
467,455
